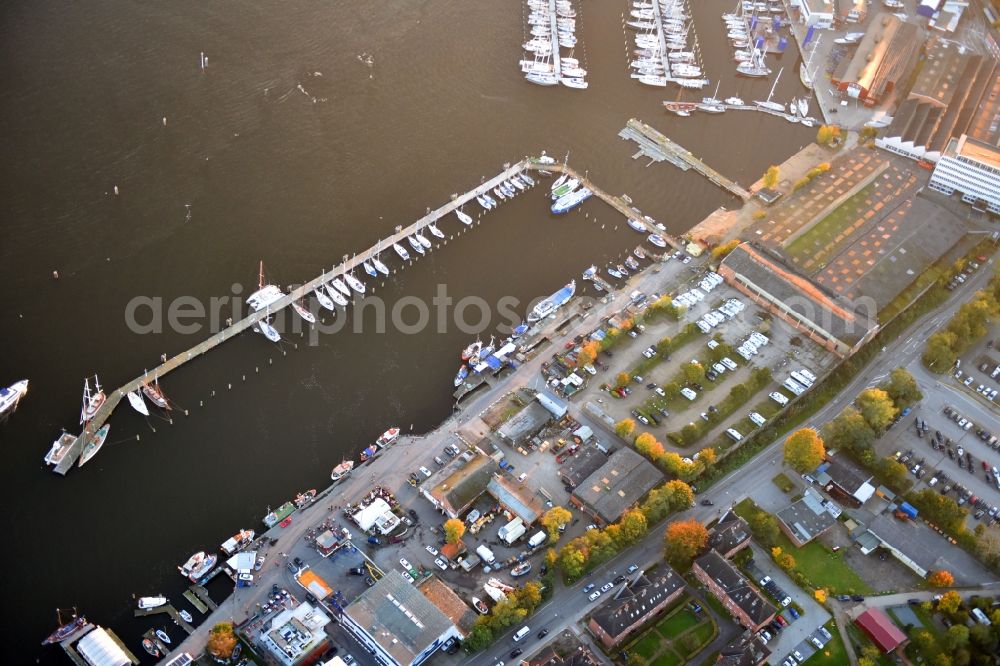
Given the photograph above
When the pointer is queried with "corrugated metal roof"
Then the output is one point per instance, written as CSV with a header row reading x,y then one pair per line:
x,y
99,649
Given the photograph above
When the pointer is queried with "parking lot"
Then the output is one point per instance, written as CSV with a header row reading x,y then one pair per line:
x,y
734,338
954,454
796,635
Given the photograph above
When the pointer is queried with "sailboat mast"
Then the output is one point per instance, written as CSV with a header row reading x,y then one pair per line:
x,y
770,94
261,285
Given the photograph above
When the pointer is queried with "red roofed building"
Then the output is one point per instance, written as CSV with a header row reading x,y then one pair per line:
x,y
881,629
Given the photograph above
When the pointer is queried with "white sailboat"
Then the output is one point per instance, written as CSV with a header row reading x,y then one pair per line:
x,y
369,268
437,233
91,401
335,295
768,104
422,240
379,266
264,326
301,311
401,251
355,284
416,245
339,285
323,299
138,404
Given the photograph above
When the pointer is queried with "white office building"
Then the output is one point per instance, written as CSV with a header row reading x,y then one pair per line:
x,y
818,13
971,168
296,634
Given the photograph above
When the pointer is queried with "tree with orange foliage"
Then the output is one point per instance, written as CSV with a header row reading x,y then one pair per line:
x,y
588,353
222,640
941,578
647,445
804,450
683,541
453,530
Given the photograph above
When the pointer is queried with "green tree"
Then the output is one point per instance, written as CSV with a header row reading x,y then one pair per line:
x,y
876,407
983,638
939,509
480,636
633,526
956,637
764,527
849,430
670,497
693,372
804,450
940,354
663,346
625,428
771,176
902,388
894,474
690,433
553,518
572,561
453,530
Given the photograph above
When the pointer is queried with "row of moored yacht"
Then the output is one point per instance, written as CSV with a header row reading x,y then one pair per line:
x,y
543,63
508,189
666,48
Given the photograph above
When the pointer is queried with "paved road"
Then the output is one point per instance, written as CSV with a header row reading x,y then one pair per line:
x,y
568,604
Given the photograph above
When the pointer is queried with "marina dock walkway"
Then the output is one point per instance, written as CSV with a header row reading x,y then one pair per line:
x,y
114,397
167,610
554,36
659,148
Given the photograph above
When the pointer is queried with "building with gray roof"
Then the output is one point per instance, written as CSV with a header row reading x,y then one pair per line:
x,y
734,591
805,305
525,424
397,622
633,603
623,479
806,519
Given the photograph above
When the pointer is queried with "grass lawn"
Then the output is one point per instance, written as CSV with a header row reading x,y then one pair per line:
x,y
820,566
833,653
668,658
704,634
784,483
677,623
647,646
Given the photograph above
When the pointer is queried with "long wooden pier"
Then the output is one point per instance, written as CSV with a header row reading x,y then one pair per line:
x,y
115,396
659,148
168,610
554,36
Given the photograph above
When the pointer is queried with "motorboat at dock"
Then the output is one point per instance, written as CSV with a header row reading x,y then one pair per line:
x,y
549,305
146,603
198,566
11,395
341,470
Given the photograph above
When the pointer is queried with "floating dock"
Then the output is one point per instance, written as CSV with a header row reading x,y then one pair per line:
x,y
554,36
202,594
659,148
167,610
195,600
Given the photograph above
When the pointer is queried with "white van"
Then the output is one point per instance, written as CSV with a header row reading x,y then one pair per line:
x,y
521,633
688,393
729,363
757,419
779,398
734,434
